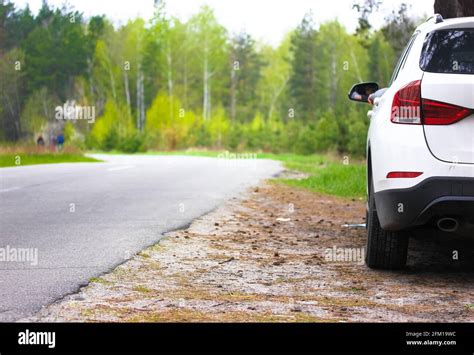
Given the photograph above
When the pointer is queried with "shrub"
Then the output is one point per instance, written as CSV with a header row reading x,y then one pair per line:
x,y
306,143
132,144
327,133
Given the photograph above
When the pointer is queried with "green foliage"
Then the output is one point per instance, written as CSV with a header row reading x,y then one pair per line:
x,y
327,133
358,127
11,83
171,84
168,124
209,48
381,59
43,158
365,8
38,111
306,142
112,128
399,28
218,127
304,76
246,64
69,132
57,52
327,175
132,143
273,84
335,179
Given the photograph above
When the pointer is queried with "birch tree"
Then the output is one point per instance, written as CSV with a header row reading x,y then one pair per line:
x,y
273,85
210,44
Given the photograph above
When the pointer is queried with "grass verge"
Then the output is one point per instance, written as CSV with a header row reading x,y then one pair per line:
x,y
20,156
326,174
33,159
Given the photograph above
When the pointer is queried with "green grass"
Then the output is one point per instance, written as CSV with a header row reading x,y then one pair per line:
x,y
327,174
46,158
99,280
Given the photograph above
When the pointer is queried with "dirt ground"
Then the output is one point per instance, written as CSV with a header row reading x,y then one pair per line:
x,y
278,254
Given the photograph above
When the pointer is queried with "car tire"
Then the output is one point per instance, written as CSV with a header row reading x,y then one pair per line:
x,y
385,250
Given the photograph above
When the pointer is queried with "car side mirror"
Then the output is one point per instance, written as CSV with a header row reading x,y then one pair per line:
x,y
361,92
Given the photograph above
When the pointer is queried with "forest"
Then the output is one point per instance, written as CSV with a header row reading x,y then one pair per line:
x,y
166,84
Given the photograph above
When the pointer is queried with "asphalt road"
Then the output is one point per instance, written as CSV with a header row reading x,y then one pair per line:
x,y
84,219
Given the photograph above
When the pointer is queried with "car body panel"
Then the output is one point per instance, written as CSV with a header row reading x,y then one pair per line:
x,y
443,153
455,142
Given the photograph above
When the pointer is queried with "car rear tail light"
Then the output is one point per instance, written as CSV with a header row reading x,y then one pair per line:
x,y
403,175
409,108
406,105
440,113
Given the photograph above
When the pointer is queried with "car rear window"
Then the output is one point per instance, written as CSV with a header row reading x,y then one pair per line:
x,y
449,51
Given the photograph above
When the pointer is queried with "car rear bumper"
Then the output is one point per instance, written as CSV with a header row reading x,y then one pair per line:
x,y
425,203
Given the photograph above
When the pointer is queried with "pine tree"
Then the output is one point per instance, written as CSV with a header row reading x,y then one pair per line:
x,y
245,66
303,77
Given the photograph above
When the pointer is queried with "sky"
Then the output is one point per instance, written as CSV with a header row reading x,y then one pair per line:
x,y
265,20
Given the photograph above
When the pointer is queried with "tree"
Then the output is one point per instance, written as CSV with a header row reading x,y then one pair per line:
x,y
454,8
196,84
132,37
210,46
273,84
245,66
95,31
114,128
166,130
303,76
365,8
381,59
15,25
342,60
38,114
181,41
11,86
154,68
56,52
398,29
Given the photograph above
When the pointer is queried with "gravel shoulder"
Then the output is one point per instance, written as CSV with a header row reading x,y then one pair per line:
x,y
277,254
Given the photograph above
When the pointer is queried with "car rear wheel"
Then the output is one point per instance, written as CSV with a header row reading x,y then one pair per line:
x,y
385,250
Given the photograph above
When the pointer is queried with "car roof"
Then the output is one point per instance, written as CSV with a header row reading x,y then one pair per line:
x,y
432,24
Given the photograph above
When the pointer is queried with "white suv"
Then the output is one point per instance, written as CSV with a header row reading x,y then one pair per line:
x,y
420,147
